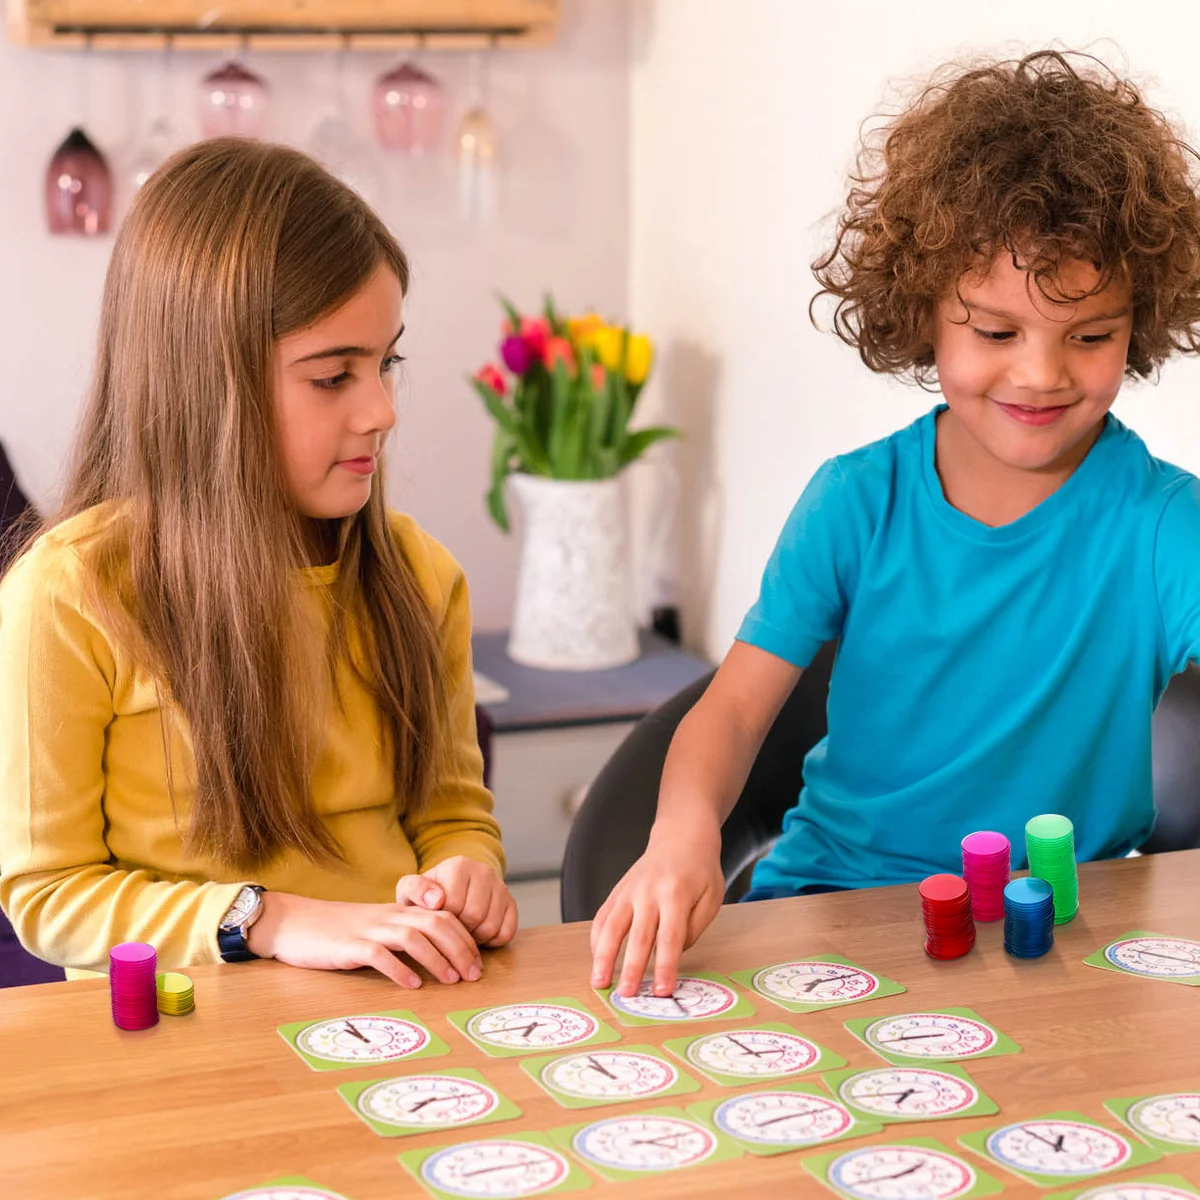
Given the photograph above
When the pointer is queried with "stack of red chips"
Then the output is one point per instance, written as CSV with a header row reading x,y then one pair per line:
x,y
131,968
946,906
986,869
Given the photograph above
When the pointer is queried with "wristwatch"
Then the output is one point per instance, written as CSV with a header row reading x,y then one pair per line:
x,y
246,908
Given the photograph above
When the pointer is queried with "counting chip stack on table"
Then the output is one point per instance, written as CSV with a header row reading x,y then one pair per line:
x,y
946,907
1050,842
131,982
986,865
1028,917
176,995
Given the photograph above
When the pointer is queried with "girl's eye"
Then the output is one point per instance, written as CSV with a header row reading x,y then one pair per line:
x,y
332,383
392,360
994,335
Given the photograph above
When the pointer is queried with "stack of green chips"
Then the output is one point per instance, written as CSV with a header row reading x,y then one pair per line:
x,y
1050,843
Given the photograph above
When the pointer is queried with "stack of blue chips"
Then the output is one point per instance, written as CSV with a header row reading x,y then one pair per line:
x,y
1028,917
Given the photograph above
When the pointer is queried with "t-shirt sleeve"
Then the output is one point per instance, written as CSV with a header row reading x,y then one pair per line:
x,y
1177,576
812,573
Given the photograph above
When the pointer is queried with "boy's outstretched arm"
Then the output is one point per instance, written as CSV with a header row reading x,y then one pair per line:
x,y
668,897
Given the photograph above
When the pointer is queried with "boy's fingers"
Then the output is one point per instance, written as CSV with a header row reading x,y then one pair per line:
x,y
637,950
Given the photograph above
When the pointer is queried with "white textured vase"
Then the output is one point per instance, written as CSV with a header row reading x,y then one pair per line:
x,y
574,607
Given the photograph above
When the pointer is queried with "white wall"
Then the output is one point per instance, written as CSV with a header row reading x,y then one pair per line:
x,y
562,115
743,121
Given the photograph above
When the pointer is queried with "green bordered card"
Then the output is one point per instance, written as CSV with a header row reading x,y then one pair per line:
x,y
911,1169
645,1143
528,1164
1058,1148
423,1102
608,1075
909,1093
1151,956
755,1054
509,1030
1146,1187
811,984
362,1040
699,996
1170,1122
936,1035
789,1116
290,1187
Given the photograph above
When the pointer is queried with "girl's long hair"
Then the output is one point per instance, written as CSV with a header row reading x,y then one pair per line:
x,y
229,246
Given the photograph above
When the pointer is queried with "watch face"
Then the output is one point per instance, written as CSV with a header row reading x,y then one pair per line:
x,y
647,1143
1135,1191
901,1173
917,1093
815,983
930,1035
495,1168
419,1101
365,1039
782,1118
532,1026
244,903
1167,958
609,1073
692,1000
753,1053
1171,1118
1051,1147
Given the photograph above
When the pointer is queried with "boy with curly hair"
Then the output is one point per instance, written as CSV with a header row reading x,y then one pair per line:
x,y
1013,579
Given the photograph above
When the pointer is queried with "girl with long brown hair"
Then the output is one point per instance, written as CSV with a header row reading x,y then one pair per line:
x,y
238,690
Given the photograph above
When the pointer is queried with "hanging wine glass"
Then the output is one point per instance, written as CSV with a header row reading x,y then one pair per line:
x,y
160,140
78,189
408,105
477,152
335,145
233,102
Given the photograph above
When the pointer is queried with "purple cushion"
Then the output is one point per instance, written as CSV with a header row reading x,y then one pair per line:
x,y
18,966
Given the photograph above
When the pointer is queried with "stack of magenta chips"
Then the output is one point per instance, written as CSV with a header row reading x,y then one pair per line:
x,y
946,907
1050,843
1028,917
986,864
131,980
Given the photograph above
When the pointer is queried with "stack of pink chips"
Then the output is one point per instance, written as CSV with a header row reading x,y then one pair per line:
x,y
986,868
131,967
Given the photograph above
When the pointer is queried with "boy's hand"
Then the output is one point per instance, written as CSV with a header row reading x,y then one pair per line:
x,y
472,891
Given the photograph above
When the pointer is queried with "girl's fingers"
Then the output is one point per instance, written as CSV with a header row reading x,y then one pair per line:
x,y
420,890
489,927
372,954
508,925
451,938
478,898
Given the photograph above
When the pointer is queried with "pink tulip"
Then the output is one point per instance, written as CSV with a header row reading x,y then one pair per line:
x,y
517,355
490,376
559,349
536,332
599,377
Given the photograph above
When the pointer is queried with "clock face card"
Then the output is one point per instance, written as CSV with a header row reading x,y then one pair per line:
x,y
753,1054
812,984
912,1169
495,1169
291,1187
508,1030
1058,1148
1148,1187
1169,1122
789,1116
700,996
938,1035
911,1092
608,1075
1151,956
420,1103
362,1040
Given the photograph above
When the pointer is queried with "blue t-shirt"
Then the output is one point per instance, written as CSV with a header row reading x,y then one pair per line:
x,y
983,675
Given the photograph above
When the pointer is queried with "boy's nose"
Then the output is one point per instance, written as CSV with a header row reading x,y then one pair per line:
x,y
1040,370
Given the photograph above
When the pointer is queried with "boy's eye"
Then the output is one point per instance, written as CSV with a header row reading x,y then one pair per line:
x,y
1094,339
332,382
993,335
392,360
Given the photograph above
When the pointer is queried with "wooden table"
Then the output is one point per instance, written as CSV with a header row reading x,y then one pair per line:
x,y
206,1104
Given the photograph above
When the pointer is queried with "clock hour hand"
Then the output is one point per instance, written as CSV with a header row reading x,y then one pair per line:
x,y
598,1066
525,1030
899,1097
350,1028
752,1052
914,1037
900,1174
1193,1117
808,987
1055,1145
666,1141
420,1104
1168,957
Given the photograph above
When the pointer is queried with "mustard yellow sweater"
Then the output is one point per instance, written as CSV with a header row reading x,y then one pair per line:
x,y
91,849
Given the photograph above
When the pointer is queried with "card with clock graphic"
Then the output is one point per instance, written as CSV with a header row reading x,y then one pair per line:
x,y
508,1030
362,1040
1058,1148
1148,1187
754,1054
788,1116
812,984
911,1169
910,1092
290,1187
699,996
1151,956
419,1103
608,1075
645,1143
528,1164
936,1035
1170,1122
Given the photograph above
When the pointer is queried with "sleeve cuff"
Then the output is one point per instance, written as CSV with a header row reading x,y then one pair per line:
x,y
470,844
791,645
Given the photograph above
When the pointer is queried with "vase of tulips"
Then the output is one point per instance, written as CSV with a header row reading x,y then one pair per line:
x,y
562,403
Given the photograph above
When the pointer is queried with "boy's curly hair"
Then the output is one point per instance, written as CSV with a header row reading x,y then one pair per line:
x,y
1046,158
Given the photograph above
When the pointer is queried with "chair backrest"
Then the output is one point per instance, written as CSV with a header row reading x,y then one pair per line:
x,y
613,824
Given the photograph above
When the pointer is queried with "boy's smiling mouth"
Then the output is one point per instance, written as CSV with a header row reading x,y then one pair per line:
x,y
1033,414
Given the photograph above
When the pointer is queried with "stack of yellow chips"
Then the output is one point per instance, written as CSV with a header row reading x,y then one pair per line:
x,y
176,995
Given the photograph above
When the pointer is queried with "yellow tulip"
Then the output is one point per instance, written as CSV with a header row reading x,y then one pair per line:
x,y
638,358
581,328
606,345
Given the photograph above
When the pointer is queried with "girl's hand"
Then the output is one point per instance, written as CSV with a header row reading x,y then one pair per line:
x,y
664,902
472,891
330,935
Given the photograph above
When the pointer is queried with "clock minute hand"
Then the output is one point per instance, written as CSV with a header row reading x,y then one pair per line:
x,y
899,1097
1053,1145
808,987
913,1037
350,1028
597,1066
900,1174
